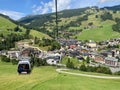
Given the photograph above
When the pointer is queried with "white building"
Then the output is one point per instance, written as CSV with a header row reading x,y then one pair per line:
x,y
53,59
111,61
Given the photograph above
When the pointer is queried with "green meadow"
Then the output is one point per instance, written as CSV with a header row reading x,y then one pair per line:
x,y
7,27
46,78
99,34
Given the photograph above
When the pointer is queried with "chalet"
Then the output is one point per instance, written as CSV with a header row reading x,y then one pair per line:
x,y
84,51
93,54
73,53
53,59
26,52
67,42
108,54
13,54
3,52
111,61
92,44
99,59
116,52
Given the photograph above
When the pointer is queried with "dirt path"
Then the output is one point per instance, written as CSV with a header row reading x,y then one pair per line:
x,y
86,75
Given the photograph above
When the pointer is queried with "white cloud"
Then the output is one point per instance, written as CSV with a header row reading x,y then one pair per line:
x,y
65,4
12,14
50,6
62,4
103,1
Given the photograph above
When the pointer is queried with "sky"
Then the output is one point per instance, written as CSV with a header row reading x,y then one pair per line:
x,y
17,9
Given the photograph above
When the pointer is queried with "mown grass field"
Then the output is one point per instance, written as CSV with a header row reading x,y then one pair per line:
x,y
46,78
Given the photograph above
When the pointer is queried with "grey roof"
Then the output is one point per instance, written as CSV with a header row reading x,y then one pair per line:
x,y
111,59
94,53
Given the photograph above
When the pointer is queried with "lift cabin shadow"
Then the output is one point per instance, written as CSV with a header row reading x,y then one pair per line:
x,y
24,67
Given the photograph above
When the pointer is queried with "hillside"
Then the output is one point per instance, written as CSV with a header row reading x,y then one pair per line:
x,y
83,24
7,26
114,8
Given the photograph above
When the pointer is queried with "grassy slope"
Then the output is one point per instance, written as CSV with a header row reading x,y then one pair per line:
x,y
98,34
38,34
7,24
46,78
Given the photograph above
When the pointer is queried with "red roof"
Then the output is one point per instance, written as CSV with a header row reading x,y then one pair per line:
x,y
72,46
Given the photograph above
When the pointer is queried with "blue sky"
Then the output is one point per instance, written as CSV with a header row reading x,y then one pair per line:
x,y
20,8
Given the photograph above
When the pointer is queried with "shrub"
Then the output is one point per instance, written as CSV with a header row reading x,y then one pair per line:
x,y
5,58
83,68
39,62
88,60
69,64
106,16
14,61
117,73
104,70
91,69
36,62
98,69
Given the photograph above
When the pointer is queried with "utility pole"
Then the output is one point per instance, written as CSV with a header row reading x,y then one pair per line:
x,y
56,19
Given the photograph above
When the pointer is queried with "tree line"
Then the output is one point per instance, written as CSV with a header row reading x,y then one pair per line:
x,y
8,41
116,27
47,42
87,68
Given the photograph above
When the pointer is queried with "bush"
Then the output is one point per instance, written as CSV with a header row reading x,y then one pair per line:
x,y
39,62
69,64
96,16
90,24
106,16
99,69
116,27
83,68
14,61
55,45
5,58
117,73
104,70
88,60
91,69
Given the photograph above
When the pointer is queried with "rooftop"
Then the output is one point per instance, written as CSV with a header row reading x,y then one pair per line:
x,y
111,59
